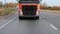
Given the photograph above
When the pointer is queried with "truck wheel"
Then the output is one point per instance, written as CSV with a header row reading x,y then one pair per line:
x,y
37,17
20,18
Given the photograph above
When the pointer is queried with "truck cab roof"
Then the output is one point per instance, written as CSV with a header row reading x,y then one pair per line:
x,y
30,1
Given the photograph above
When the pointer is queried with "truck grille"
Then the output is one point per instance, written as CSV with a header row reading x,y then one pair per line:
x,y
29,10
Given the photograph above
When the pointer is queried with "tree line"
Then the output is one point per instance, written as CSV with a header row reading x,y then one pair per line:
x,y
42,6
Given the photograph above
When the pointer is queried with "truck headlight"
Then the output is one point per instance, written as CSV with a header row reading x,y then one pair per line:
x,y
20,12
38,12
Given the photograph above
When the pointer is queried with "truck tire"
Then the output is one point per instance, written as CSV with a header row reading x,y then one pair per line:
x,y
37,17
20,18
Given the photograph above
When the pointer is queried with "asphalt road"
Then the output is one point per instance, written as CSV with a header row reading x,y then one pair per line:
x,y
47,24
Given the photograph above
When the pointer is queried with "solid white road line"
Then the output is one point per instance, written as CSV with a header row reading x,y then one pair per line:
x,y
7,22
53,27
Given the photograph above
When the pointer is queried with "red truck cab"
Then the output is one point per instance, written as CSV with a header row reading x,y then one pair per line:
x,y
29,8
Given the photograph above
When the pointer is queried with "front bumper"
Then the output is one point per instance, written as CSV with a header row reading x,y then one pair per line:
x,y
28,16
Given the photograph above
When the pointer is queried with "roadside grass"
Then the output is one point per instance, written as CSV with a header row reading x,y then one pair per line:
x,y
51,11
56,12
6,11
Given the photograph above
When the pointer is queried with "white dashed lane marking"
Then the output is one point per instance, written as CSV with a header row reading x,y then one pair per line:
x,y
53,27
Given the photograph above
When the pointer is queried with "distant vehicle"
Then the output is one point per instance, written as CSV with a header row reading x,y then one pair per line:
x,y
29,8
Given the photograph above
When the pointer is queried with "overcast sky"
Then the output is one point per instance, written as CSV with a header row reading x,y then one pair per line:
x,y
49,2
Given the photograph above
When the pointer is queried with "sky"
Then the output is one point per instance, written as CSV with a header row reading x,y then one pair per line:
x,y
48,2
51,2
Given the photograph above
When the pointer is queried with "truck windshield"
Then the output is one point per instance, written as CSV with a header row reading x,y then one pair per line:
x,y
29,0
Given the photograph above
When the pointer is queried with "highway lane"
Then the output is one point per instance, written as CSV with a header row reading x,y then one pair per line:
x,y
52,18
41,26
6,19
